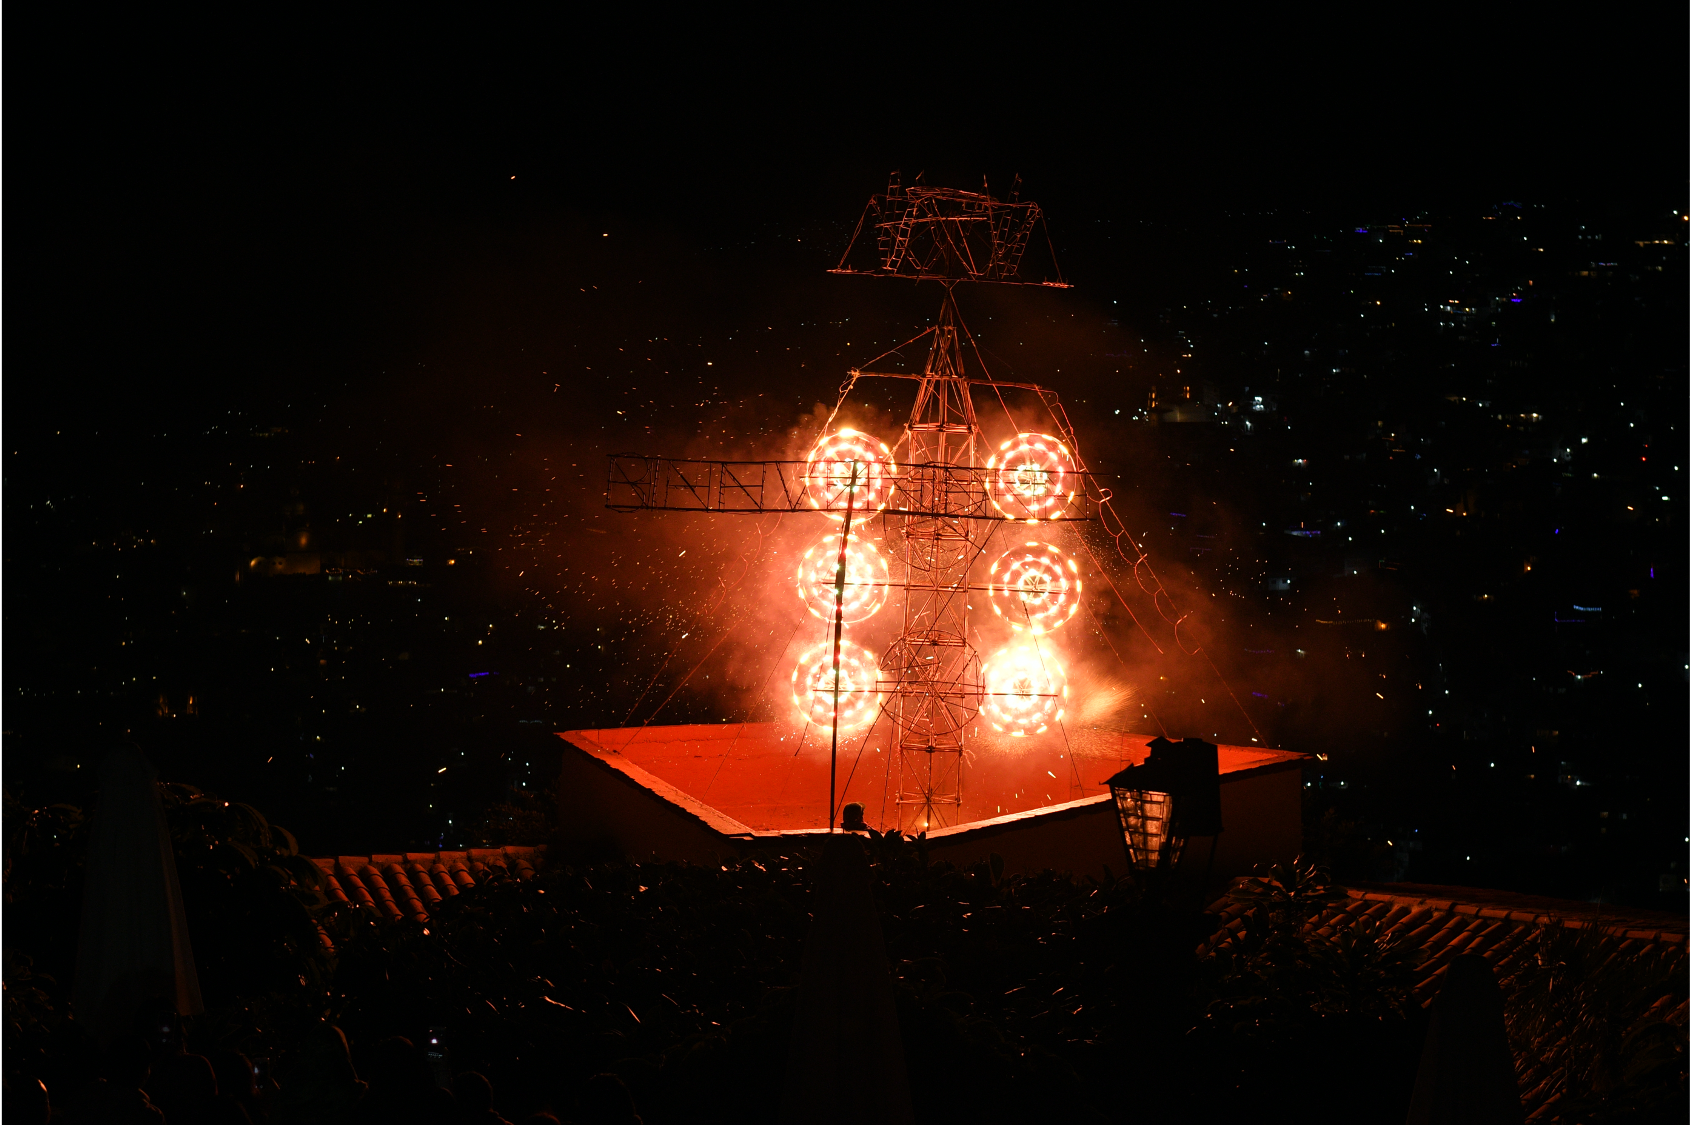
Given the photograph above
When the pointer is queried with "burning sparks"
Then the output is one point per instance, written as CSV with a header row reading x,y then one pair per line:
x,y
838,460
1034,587
1025,690
865,579
1030,478
813,685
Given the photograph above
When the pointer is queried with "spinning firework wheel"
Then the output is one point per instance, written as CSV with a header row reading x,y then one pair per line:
x,y
1032,478
1026,690
849,469
934,512
816,682
862,591
1034,587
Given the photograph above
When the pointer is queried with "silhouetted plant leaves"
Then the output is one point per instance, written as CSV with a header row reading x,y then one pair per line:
x,y
1009,987
1299,888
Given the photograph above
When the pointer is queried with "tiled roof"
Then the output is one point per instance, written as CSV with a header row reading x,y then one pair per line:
x,y
1445,922
1482,922
407,884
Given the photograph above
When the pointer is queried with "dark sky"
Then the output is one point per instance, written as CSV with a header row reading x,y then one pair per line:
x,y
198,210
398,241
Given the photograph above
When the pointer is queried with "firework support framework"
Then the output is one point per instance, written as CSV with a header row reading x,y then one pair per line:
x,y
942,502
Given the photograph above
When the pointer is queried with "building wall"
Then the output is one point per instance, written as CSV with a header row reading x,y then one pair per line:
x,y
1262,820
623,809
1081,837
1261,812
606,803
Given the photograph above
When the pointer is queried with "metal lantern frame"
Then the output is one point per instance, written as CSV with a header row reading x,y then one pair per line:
x,y
1174,796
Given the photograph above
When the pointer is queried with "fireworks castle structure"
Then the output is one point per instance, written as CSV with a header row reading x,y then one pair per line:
x,y
964,712
944,499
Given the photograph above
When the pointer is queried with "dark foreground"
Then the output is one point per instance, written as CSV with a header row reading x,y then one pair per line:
x,y
1018,998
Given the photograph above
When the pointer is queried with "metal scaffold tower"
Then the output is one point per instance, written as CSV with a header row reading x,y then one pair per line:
x,y
940,502
931,675
932,672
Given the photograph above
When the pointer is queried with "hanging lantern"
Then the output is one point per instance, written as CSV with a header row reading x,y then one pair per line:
x,y
1174,796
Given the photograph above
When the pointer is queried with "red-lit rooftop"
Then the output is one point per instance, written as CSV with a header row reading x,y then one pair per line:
x,y
773,777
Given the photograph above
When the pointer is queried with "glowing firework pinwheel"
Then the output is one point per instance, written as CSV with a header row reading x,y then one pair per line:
x,y
1031,478
1025,690
865,579
837,460
813,685
1034,587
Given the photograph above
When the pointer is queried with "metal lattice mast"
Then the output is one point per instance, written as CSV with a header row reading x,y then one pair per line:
x,y
940,504
932,671
932,674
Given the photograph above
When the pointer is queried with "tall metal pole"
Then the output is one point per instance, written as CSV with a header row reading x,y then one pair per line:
x,y
935,697
839,626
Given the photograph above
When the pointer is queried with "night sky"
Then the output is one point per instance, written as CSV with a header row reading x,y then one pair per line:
x,y
365,295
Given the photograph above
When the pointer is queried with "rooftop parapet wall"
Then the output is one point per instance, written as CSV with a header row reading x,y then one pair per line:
x,y
652,794
1261,809
773,777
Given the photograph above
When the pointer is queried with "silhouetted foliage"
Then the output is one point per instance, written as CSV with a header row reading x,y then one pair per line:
x,y
253,904
1014,992
1297,980
1602,1023
43,894
522,818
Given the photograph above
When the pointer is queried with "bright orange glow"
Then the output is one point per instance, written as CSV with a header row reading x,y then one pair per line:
x,y
813,685
1034,587
828,473
1025,690
865,579
1031,478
